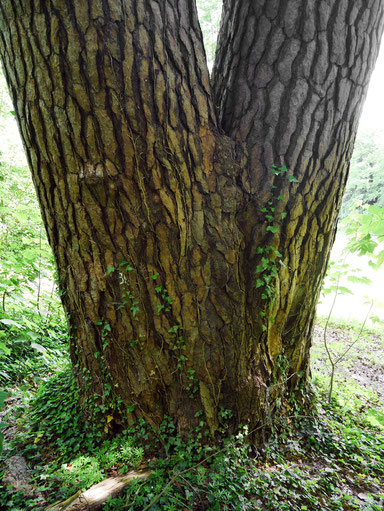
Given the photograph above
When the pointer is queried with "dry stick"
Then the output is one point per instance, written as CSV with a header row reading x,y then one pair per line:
x,y
178,474
95,496
39,282
157,497
4,295
49,306
358,335
330,357
346,351
340,357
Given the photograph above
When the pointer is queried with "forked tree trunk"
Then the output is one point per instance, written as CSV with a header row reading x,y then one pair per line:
x,y
189,271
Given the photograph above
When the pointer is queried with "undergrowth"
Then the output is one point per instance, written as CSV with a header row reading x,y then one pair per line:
x,y
332,460
55,420
311,466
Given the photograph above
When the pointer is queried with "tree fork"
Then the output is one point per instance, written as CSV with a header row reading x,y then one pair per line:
x,y
161,208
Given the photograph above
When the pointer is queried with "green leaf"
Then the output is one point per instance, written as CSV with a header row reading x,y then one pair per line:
x,y
292,179
344,291
272,228
110,269
359,280
4,349
3,397
10,322
33,335
174,329
38,347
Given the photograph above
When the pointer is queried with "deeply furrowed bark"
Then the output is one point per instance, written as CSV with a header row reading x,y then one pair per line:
x,y
131,167
291,90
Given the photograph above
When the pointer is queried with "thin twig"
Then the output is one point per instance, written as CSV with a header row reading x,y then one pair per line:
x,y
178,474
358,335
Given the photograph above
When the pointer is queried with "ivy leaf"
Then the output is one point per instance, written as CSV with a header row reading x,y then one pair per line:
x,y
292,179
272,228
110,269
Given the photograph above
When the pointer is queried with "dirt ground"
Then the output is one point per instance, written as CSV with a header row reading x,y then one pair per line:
x,y
362,367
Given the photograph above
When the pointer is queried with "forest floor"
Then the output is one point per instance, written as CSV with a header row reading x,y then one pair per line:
x,y
331,461
359,376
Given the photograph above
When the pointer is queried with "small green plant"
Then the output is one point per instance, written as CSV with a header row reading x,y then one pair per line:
x,y
85,470
79,474
365,231
128,297
165,300
335,273
267,270
121,451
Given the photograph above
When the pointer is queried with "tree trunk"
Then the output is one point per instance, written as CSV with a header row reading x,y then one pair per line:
x,y
189,270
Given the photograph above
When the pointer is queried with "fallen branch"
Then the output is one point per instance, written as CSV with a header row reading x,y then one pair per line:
x,y
98,493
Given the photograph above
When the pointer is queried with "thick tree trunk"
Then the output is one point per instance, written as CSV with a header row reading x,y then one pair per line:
x,y
189,271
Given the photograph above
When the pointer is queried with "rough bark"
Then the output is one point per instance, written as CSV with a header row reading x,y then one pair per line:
x,y
134,165
292,91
